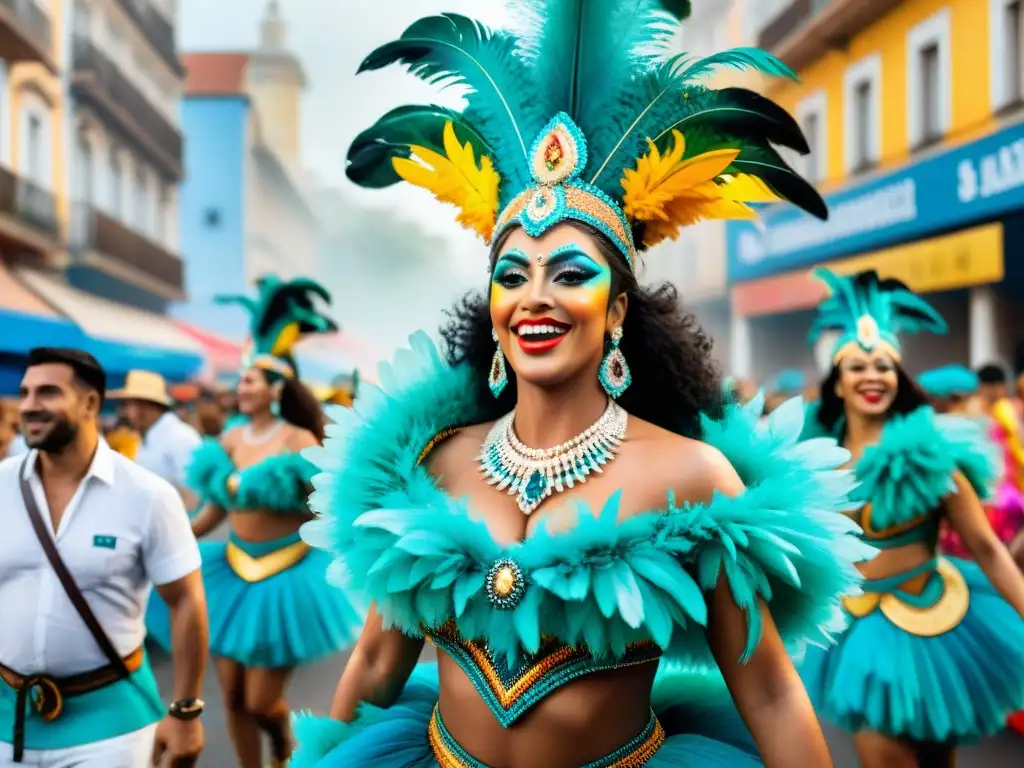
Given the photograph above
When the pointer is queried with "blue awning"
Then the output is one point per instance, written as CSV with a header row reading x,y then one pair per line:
x,y
21,331
121,337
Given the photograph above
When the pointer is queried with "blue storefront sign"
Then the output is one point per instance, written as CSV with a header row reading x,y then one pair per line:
x,y
979,181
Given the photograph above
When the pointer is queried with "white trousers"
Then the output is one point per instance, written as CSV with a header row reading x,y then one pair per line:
x,y
133,750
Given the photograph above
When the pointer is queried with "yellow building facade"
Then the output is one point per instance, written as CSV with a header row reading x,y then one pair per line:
x,y
965,27
35,114
913,111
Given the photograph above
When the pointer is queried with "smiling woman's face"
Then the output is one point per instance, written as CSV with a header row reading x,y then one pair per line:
x,y
551,304
868,382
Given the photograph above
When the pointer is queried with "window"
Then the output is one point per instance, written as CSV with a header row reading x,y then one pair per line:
x,y
862,108
140,203
928,61
34,150
211,218
84,177
1006,57
928,80
811,115
116,199
862,118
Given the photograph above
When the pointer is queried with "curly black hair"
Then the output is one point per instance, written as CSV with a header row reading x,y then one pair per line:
x,y
675,379
909,397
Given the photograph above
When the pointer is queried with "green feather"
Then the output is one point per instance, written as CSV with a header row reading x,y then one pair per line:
x,y
766,164
736,112
369,158
453,50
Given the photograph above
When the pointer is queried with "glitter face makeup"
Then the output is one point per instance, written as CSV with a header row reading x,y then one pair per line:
x,y
550,302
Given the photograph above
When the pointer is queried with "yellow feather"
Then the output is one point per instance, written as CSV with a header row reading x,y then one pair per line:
x,y
658,180
746,188
455,178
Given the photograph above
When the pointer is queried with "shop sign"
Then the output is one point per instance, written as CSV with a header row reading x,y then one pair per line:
x,y
962,186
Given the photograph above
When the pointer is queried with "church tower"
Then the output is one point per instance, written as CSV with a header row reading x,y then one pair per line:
x,y
276,83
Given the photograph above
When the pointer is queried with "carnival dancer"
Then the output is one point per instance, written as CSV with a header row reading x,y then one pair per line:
x,y
533,568
271,609
934,653
85,532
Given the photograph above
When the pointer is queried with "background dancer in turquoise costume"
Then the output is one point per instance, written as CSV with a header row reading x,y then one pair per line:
x,y
934,652
659,512
271,609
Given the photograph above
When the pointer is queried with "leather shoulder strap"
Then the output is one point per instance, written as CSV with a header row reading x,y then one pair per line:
x,y
66,579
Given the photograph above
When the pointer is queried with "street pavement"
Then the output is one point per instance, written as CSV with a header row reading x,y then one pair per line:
x,y
313,687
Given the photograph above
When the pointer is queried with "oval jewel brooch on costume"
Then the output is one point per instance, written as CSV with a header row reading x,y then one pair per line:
x,y
536,473
505,584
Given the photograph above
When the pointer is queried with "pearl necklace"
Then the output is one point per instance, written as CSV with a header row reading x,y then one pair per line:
x,y
536,473
250,437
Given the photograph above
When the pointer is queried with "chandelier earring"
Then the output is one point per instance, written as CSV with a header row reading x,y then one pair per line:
x,y
614,373
498,378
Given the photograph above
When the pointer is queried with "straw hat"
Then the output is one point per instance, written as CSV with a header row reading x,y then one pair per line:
x,y
143,385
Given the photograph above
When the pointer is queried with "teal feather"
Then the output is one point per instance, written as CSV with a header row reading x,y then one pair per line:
x,y
910,470
369,158
453,50
604,583
277,483
207,473
737,58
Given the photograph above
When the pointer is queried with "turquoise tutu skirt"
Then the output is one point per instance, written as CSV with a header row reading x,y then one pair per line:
x,y
703,730
955,687
291,618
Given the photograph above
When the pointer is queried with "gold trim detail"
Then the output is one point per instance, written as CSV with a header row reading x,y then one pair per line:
x,y
253,569
435,441
446,758
870,532
932,621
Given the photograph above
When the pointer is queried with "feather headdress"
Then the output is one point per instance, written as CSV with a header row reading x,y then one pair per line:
x,y
869,312
583,115
281,314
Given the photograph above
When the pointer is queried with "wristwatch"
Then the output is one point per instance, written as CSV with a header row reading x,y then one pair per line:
x,y
186,709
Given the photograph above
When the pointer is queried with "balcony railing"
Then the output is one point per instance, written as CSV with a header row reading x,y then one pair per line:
x,y
96,232
28,203
157,30
98,81
26,31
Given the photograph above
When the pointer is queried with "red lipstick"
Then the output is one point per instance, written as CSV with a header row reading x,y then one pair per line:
x,y
544,334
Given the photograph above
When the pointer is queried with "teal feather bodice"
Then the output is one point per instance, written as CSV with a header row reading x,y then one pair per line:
x,y
277,484
905,476
607,585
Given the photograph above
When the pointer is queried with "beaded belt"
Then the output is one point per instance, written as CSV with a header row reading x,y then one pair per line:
x,y
634,754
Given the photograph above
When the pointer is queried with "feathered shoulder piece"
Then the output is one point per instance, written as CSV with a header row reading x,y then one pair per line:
x,y
868,313
400,541
208,473
280,315
909,471
583,113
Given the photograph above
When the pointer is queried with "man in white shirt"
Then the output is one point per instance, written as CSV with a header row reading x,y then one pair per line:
x,y
167,441
64,702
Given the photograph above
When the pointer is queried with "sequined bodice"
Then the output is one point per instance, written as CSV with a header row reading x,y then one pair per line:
x,y
511,690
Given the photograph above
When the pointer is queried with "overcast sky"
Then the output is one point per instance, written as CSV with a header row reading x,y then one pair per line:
x,y
331,37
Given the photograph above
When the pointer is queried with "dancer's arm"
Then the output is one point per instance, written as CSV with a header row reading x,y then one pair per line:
x,y
377,669
968,518
209,517
768,692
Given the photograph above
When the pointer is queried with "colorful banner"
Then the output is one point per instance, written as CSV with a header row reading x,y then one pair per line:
x,y
965,185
